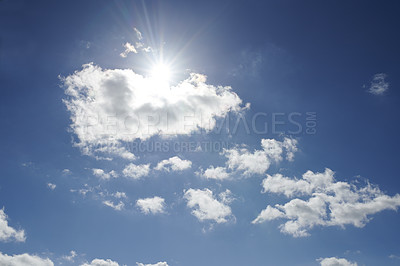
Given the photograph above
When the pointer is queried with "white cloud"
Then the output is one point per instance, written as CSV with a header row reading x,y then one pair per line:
x,y
378,84
51,186
226,197
157,264
104,175
129,48
392,256
116,207
240,159
206,207
174,163
335,262
66,171
151,205
119,195
70,257
8,233
136,171
138,34
110,107
329,203
101,262
24,260
218,173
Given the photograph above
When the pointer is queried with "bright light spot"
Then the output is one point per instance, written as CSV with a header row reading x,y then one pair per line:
x,y
161,72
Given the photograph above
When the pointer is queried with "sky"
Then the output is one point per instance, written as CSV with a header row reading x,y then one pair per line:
x,y
170,133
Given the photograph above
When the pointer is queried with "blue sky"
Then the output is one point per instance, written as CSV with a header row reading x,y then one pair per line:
x,y
199,132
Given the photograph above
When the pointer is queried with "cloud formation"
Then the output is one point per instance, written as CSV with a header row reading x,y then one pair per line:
x,y
101,262
241,160
136,171
335,262
24,260
157,264
206,207
104,175
328,202
117,207
8,233
110,107
151,205
378,84
173,164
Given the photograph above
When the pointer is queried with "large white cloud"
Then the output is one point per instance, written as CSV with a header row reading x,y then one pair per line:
x,y
24,260
328,202
8,233
174,163
333,261
151,205
207,207
101,262
111,106
242,160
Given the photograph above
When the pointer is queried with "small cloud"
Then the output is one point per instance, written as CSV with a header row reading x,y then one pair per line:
x,y
116,207
174,163
378,84
138,34
119,195
66,171
51,186
151,205
335,262
70,257
129,48
157,264
104,175
394,257
136,171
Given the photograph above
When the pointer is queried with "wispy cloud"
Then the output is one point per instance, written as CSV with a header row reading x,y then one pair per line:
x,y
379,85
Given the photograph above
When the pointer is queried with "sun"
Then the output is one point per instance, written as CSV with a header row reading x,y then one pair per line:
x,y
161,72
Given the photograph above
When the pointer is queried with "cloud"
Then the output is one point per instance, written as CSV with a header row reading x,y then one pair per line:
x,y
51,186
335,262
101,262
174,163
378,84
241,160
119,195
129,48
329,202
66,171
7,233
151,205
157,264
206,207
70,257
23,260
219,173
138,34
392,256
110,107
104,175
136,171
117,207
